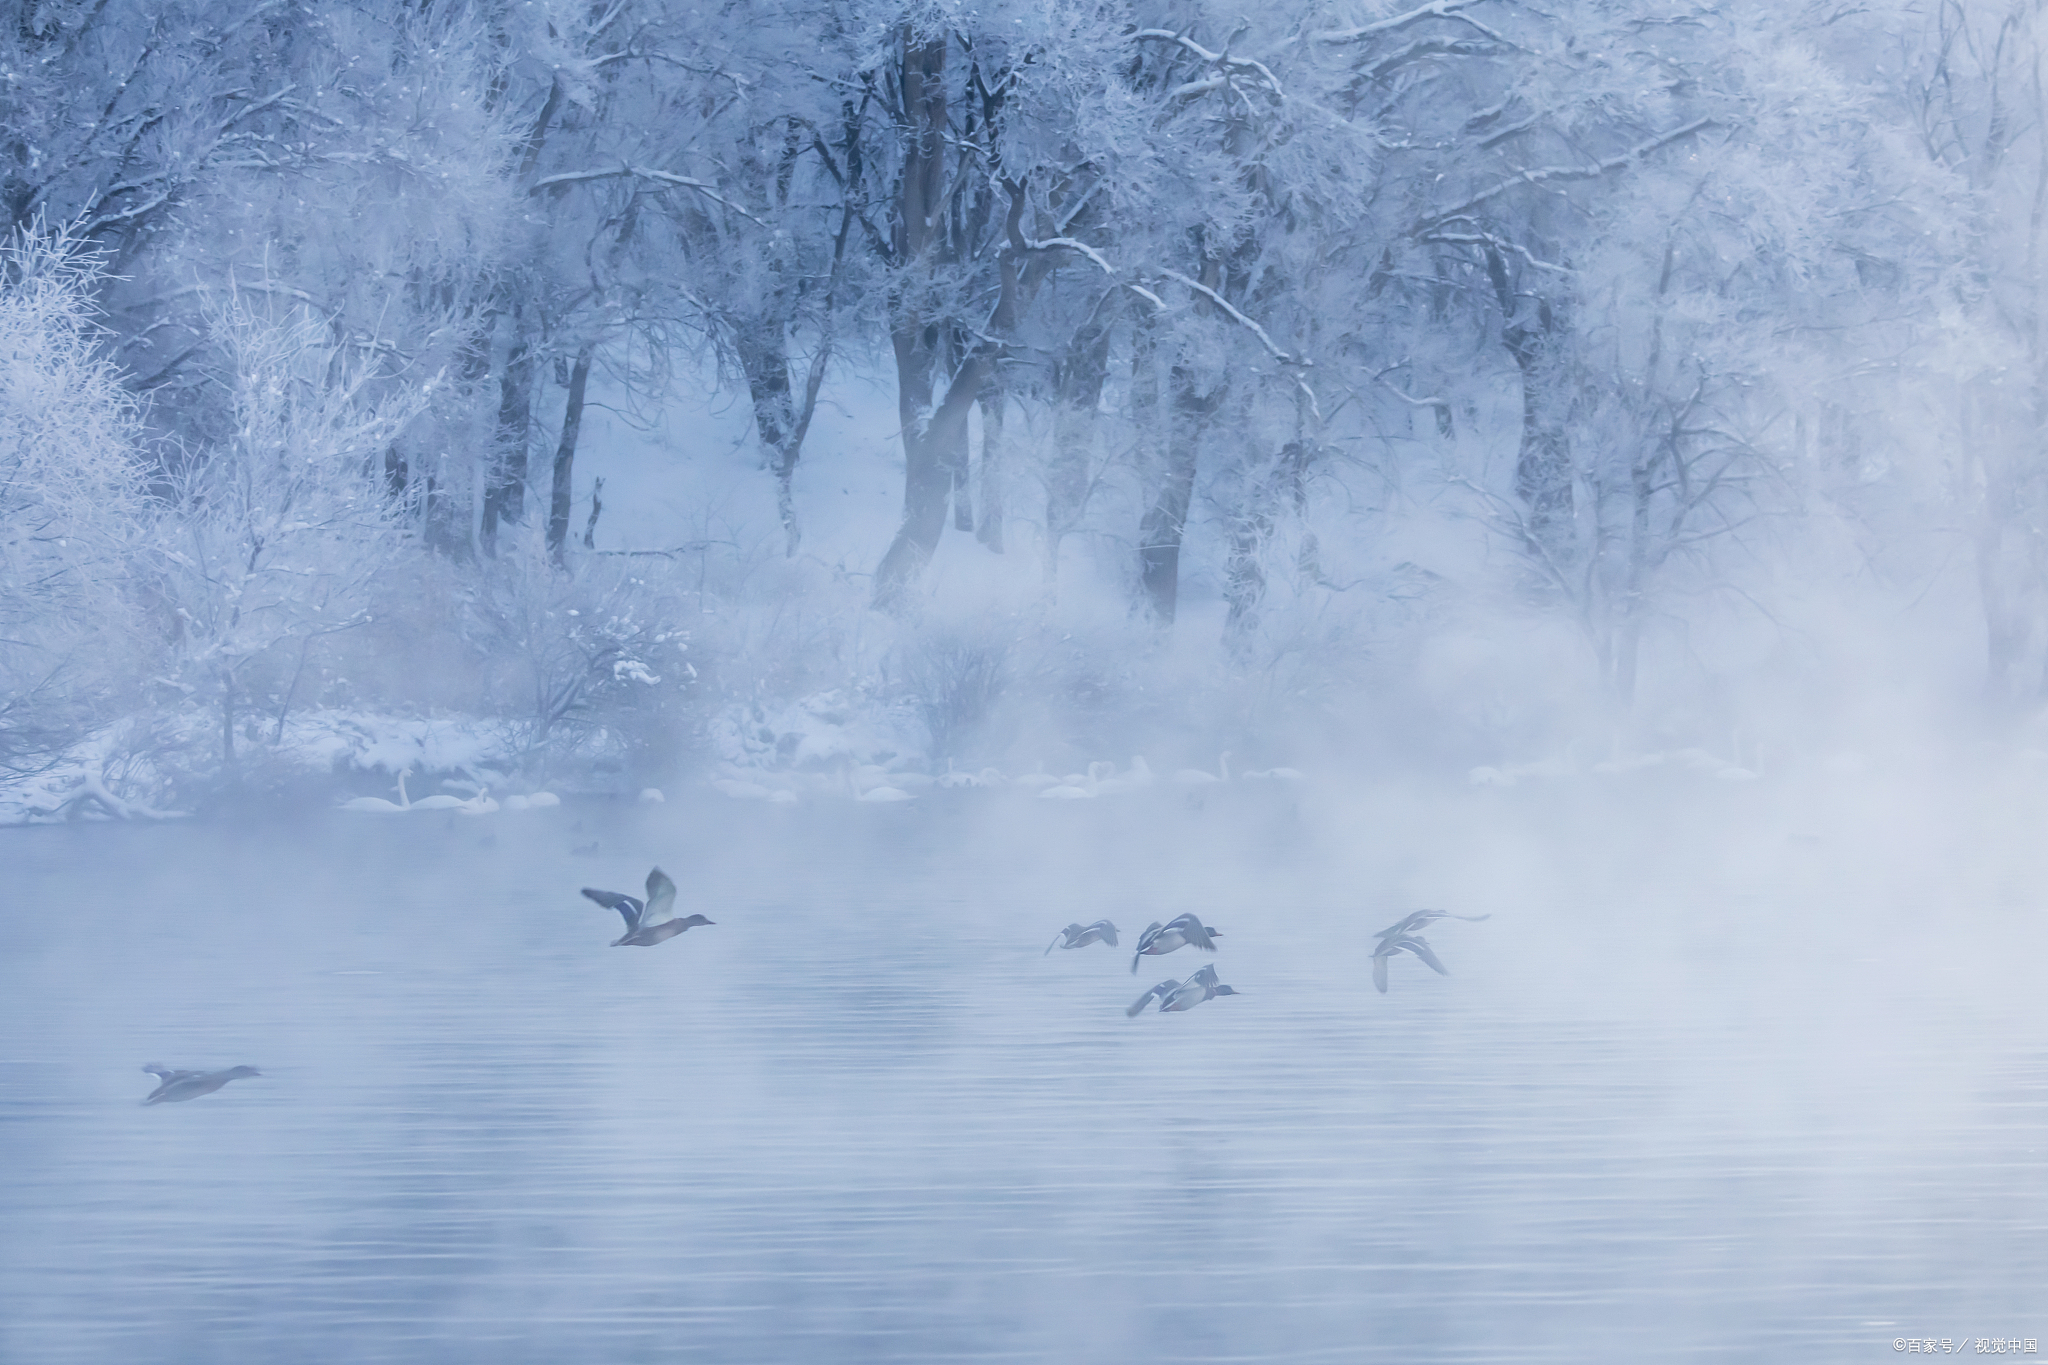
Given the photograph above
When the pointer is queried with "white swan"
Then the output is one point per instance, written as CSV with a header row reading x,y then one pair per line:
x,y
1198,776
377,805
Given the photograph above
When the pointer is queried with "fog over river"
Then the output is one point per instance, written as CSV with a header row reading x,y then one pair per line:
x,y
1755,1069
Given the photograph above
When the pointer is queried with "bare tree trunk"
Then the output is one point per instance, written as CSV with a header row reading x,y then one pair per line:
x,y
1252,528
1543,473
505,481
992,400
596,507
929,444
565,459
1159,533
764,358
1077,386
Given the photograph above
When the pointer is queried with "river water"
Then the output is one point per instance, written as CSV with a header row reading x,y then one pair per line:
x,y
1727,1071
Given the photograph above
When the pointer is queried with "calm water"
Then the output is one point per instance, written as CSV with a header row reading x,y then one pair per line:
x,y
1726,1072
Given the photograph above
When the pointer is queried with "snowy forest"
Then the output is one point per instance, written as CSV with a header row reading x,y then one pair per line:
x,y
622,390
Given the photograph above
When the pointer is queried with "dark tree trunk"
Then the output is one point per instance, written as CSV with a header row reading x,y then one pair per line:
x,y
1077,387
764,359
929,459
935,427
505,486
1543,472
565,459
992,399
1252,527
1159,533
596,507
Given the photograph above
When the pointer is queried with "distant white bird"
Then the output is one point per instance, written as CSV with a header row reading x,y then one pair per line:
x,y
1178,996
1068,791
1199,777
442,801
1138,777
542,800
480,804
1177,932
885,794
1274,774
1081,935
1038,779
377,805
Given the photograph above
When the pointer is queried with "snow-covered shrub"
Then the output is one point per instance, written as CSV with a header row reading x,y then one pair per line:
x,y
71,503
591,662
283,531
954,678
818,733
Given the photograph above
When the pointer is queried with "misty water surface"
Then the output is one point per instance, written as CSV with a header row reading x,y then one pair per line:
x,y
1756,1069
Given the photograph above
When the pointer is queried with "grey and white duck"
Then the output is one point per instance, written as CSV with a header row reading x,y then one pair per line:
x,y
1177,996
1177,932
650,921
1404,943
1410,923
174,1086
1081,935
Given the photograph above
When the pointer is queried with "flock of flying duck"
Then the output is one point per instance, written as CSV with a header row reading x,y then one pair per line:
x,y
1184,930
651,920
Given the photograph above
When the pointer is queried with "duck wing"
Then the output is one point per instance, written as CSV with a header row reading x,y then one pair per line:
x,y
1108,931
661,899
1379,971
629,907
1421,949
1145,940
1194,932
1064,936
1408,923
1162,990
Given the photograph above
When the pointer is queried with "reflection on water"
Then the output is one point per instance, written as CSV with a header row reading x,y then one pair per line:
x,y
1680,1097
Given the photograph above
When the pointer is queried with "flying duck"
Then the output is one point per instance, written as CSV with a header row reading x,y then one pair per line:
x,y
1176,996
1411,923
1177,932
1081,935
173,1086
647,922
1409,943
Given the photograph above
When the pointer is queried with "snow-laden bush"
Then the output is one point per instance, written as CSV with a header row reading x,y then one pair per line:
x,y
586,663
71,502
284,531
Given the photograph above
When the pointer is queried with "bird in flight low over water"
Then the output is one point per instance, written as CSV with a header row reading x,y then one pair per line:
x,y
1410,923
1405,943
1177,932
173,1086
1176,996
1403,938
1081,935
647,922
